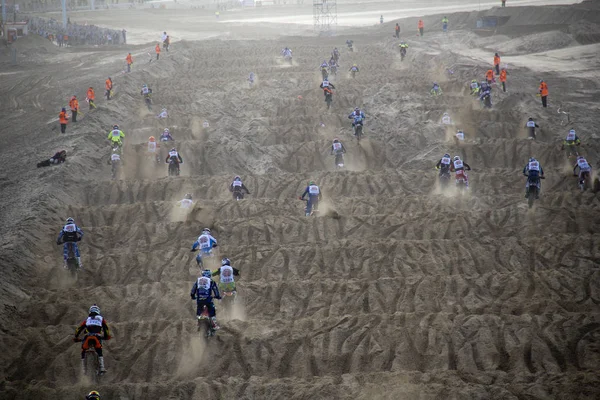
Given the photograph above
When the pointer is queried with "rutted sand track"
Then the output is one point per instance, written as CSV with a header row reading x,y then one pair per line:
x,y
397,291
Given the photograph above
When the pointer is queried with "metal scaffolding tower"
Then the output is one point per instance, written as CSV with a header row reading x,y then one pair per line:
x,y
325,16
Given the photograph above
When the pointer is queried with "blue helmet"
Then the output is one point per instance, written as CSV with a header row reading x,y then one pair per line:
x,y
206,273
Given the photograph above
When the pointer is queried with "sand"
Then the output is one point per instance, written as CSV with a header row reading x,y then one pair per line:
x,y
396,291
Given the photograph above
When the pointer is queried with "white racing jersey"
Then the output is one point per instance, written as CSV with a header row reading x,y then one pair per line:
x,y
458,164
534,166
337,147
186,203
203,287
530,124
571,136
204,241
583,165
445,161
173,154
151,147
226,274
145,90
94,321
460,135
446,119
115,157
313,190
237,184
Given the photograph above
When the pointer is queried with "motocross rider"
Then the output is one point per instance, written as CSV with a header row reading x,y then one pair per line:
x,y
70,233
92,327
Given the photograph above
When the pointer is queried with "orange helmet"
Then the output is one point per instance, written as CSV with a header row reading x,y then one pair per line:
x,y
152,139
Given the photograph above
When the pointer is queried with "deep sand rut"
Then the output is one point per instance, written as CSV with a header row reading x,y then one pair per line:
x,y
396,291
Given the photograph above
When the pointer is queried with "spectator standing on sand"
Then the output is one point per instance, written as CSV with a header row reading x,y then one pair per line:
x,y
397,31
129,60
497,63
489,76
124,32
421,26
91,96
445,24
503,3
157,49
503,79
544,93
108,87
63,119
74,105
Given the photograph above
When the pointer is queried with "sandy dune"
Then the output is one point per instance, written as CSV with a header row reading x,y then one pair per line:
x,y
398,291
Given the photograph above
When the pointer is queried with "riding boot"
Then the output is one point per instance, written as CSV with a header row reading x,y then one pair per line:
x,y
101,364
527,192
79,262
213,322
65,265
83,369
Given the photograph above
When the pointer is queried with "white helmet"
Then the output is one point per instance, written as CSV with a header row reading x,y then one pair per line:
x,y
456,158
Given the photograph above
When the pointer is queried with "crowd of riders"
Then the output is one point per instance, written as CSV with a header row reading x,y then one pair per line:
x,y
205,290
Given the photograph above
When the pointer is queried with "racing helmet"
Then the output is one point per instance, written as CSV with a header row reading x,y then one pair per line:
x,y
144,85
206,230
237,178
166,130
225,261
336,140
456,158
530,119
531,159
206,273
70,220
474,81
152,139
447,155
93,395
188,196
173,149
580,158
311,183
115,126
95,309
572,131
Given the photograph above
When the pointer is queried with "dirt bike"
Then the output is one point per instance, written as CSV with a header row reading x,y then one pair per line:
x,y
487,101
313,211
288,59
585,182
238,194
228,300
444,179
328,99
173,168
324,73
534,191
204,323
92,365
358,130
333,69
571,150
115,168
339,160
148,101
402,54
352,74
72,262
205,253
